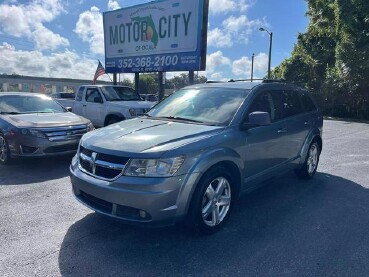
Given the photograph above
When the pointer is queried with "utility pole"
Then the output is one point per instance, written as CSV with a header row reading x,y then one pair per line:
x,y
252,66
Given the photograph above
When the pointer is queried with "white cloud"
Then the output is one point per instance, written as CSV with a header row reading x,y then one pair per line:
x,y
226,6
113,5
219,38
89,28
27,20
242,66
234,30
215,60
66,64
46,39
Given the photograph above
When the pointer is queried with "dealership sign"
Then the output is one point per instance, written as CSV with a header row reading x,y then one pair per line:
x,y
165,35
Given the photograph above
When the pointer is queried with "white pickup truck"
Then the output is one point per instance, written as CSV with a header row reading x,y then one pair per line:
x,y
107,104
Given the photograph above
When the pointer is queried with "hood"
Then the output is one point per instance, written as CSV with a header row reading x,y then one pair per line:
x,y
39,120
141,135
133,104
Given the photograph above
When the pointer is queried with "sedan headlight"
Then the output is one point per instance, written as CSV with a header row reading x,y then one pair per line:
x,y
153,167
90,127
33,133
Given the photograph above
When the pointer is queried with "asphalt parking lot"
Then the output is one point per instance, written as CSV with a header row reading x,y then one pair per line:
x,y
288,227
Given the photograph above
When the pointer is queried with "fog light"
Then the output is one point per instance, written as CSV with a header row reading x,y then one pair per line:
x,y
142,214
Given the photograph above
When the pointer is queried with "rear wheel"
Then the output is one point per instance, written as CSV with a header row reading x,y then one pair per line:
x,y
310,165
4,150
212,202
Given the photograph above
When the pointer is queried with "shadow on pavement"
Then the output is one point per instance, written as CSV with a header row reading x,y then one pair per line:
x,y
288,227
35,170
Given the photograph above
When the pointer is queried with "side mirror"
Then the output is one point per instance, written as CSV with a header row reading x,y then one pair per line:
x,y
98,99
69,109
257,119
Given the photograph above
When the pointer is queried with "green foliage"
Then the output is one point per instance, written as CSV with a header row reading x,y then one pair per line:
x,y
182,80
332,57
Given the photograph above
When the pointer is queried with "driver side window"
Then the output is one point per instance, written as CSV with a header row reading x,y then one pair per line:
x,y
263,103
91,94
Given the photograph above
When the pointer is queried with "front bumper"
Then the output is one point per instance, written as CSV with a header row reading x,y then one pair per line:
x,y
135,200
27,146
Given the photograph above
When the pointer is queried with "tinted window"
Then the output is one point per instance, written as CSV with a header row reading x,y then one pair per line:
x,y
80,94
291,103
262,103
307,102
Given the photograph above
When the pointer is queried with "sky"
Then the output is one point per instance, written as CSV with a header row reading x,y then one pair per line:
x,y
64,39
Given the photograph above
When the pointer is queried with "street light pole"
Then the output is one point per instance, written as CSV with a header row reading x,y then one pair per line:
x,y
252,67
270,52
270,47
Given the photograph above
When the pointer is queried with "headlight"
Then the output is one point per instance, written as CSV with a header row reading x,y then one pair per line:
x,y
153,168
90,127
132,112
33,133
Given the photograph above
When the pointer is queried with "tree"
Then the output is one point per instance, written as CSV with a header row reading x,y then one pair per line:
x,y
331,57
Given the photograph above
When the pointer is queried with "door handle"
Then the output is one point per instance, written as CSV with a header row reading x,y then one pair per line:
x,y
281,131
84,105
306,123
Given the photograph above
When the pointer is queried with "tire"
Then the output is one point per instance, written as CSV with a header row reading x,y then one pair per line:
x,y
308,169
4,151
112,120
212,202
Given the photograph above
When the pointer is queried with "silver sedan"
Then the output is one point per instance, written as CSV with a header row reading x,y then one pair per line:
x,y
35,125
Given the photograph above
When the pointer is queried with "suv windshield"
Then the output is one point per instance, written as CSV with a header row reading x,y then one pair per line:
x,y
206,105
120,94
17,104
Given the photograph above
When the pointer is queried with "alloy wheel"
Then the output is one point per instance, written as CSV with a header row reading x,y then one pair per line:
x,y
3,149
312,160
216,201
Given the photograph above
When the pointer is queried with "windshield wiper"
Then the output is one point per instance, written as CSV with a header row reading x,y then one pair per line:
x,y
10,113
181,118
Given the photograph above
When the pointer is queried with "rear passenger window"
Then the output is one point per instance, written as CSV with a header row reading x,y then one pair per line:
x,y
307,102
291,103
79,94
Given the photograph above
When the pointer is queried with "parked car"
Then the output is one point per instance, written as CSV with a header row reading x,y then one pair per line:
x,y
149,97
66,99
194,152
35,125
107,104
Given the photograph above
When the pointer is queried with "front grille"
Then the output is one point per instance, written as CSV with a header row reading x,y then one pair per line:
x,y
61,148
101,165
96,203
65,133
113,209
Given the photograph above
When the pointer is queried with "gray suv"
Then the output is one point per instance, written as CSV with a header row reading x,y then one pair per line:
x,y
192,154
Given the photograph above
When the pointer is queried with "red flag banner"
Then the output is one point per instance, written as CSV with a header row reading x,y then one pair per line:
x,y
100,70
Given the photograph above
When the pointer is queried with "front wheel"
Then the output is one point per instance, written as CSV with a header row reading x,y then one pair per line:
x,y
212,202
4,150
308,169
113,120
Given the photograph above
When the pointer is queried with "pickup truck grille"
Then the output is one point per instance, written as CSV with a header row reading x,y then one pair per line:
x,y
102,166
65,133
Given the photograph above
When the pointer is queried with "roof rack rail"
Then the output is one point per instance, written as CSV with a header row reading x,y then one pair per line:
x,y
274,81
244,80
212,82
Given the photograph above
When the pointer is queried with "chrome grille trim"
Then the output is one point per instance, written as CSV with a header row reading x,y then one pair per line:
x,y
96,165
73,132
